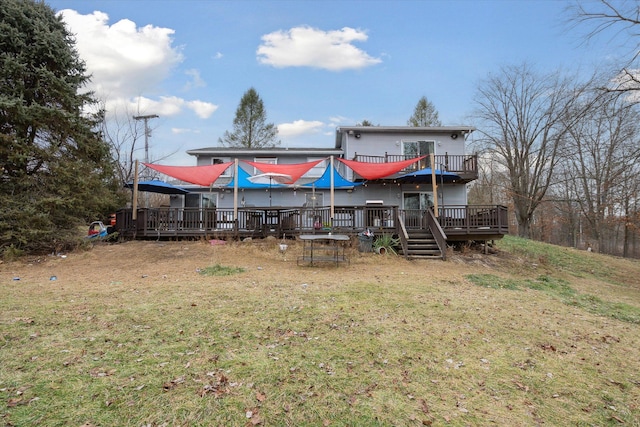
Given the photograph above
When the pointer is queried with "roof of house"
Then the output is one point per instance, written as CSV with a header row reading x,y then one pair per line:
x,y
352,130
271,151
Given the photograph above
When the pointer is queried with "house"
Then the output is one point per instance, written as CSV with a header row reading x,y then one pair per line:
x,y
394,179
369,144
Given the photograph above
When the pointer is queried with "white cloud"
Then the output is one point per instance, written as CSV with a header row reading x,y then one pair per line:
x,y
218,55
299,127
166,106
196,79
202,109
179,131
124,60
311,47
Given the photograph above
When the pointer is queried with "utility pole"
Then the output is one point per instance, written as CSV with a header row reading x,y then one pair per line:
x,y
147,133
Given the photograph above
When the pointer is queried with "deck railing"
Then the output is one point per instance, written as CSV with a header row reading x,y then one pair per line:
x,y
464,165
291,221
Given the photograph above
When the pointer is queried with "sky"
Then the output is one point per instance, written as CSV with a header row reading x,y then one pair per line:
x,y
316,65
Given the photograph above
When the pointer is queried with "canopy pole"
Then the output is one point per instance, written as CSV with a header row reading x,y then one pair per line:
x,y
235,192
434,184
134,200
332,193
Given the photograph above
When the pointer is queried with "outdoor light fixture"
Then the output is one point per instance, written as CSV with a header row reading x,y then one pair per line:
x,y
358,135
454,136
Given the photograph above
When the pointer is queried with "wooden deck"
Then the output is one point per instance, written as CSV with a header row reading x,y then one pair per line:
x,y
459,223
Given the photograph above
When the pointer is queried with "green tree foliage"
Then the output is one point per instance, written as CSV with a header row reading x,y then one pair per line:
x,y
55,170
424,115
250,129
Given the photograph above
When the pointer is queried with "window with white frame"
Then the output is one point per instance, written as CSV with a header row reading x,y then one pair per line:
x,y
267,160
218,161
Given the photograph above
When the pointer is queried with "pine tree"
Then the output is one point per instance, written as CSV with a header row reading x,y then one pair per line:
x,y
250,129
55,170
424,115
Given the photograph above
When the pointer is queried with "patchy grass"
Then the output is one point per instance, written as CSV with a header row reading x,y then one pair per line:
x,y
560,289
381,341
220,270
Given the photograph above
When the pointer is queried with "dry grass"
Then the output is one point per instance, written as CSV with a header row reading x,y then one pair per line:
x,y
133,334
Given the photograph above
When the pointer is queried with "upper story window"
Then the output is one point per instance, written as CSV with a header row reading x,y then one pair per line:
x,y
217,161
317,170
417,148
412,149
267,160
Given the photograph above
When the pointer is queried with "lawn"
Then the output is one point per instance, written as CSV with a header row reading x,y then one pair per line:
x,y
192,334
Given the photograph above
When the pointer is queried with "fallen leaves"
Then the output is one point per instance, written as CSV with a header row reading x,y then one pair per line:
x,y
218,387
172,384
101,372
18,401
253,416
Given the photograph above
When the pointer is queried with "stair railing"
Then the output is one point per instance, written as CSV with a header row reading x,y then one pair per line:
x,y
438,233
402,233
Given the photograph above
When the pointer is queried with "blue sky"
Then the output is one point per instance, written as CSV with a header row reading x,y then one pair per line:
x,y
317,65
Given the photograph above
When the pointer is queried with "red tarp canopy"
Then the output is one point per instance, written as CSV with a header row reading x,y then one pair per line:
x,y
378,170
294,170
201,175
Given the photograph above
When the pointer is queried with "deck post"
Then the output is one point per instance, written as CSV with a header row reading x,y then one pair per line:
x,y
333,208
235,194
434,184
134,197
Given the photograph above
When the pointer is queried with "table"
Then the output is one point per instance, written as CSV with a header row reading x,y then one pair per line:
x,y
323,248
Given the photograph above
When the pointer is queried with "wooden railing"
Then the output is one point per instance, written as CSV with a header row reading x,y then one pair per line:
x,y
403,235
474,217
464,165
437,232
183,222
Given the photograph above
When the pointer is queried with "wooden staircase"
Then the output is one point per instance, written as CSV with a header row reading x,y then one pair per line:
x,y
421,245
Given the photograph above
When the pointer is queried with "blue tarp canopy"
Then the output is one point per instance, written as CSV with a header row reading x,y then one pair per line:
x,y
157,186
425,176
339,182
244,182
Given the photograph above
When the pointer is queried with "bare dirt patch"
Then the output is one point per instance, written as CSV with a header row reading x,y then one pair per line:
x,y
136,262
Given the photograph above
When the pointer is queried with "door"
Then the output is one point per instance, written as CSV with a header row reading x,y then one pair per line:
x,y
191,217
415,205
412,149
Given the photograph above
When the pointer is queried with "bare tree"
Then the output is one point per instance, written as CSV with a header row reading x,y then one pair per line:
x,y
613,20
125,136
522,115
122,134
602,166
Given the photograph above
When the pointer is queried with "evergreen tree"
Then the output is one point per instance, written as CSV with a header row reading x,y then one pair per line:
x,y
250,129
55,170
424,115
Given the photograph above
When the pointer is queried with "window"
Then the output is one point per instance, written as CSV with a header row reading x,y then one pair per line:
x,y
209,200
218,161
317,170
417,200
200,200
314,200
267,160
412,149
